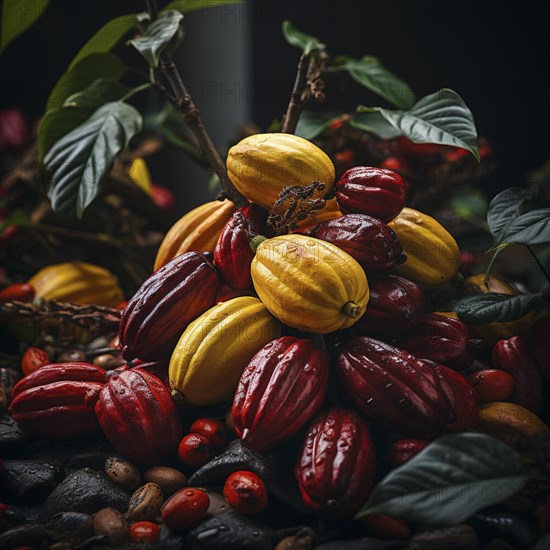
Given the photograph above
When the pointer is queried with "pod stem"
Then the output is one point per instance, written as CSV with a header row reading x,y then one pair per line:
x,y
351,309
256,241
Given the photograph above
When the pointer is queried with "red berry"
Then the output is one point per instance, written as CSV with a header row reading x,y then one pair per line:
x,y
245,492
404,449
345,157
185,509
418,150
211,428
457,154
21,292
144,531
336,124
14,132
33,359
492,385
163,198
485,151
194,450
396,164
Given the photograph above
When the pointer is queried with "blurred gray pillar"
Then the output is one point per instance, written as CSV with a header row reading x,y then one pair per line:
x,y
215,63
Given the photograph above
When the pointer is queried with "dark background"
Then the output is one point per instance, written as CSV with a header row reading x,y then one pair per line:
x,y
496,55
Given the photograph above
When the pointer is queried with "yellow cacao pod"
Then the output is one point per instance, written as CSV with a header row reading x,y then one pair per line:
x,y
260,166
213,351
329,212
196,231
78,283
139,174
309,284
433,257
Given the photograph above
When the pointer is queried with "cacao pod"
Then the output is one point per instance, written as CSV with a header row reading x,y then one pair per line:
x,y
395,304
262,165
374,191
404,393
432,254
309,284
280,391
233,254
336,466
139,417
212,353
402,450
78,283
366,239
139,174
166,302
58,400
514,357
442,339
196,231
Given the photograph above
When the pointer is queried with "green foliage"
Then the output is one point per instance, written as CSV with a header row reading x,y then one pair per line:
x,y
530,228
311,124
186,6
371,121
301,40
17,17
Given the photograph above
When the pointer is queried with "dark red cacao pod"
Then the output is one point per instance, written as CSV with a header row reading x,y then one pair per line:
x,y
58,400
233,255
280,391
165,304
514,357
366,239
402,450
395,304
138,416
403,393
369,190
337,464
442,339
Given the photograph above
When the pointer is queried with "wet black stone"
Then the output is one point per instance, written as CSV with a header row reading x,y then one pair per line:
x,y
28,483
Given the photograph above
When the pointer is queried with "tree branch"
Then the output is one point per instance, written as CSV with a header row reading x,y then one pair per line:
x,y
296,105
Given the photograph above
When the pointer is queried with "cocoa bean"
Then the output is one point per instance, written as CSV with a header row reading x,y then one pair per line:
x,y
168,479
123,473
145,503
111,524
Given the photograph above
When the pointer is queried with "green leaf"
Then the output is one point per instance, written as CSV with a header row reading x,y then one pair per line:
x,y
106,37
505,207
441,117
370,73
311,124
301,40
174,139
529,228
374,123
79,160
479,309
186,6
76,109
469,202
91,68
17,17
17,217
451,479
158,36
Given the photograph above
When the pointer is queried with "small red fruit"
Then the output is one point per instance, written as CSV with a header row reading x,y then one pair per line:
x,y
396,164
345,157
14,131
185,509
418,151
457,155
245,492
213,429
20,292
144,531
492,385
194,450
33,359
163,198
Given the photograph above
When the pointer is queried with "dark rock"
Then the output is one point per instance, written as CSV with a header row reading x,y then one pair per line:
x,y
28,482
12,439
23,535
71,526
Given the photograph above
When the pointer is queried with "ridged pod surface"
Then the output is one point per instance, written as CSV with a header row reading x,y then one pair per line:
x,y
261,165
337,464
166,302
212,353
432,254
58,400
280,391
403,393
309,284
139,417
196,231
78,283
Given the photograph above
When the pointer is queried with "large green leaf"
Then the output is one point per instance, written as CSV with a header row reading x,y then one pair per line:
x,y
373,122
370,73
157,36
451,479
106,37
529,228
301,40
311,124
505,207
17,17
441,117
90,69
79,160
479,309
186,6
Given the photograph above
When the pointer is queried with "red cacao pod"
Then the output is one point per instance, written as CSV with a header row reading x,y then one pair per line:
x,y
442,339
58,400
492,385
402,450
139,418
233,255
21,292
368,240
514,357
374,191
395,304
336,467
404,393
165,304
280,391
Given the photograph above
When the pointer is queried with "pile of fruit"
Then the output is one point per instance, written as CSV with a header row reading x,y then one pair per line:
x,y
282,359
